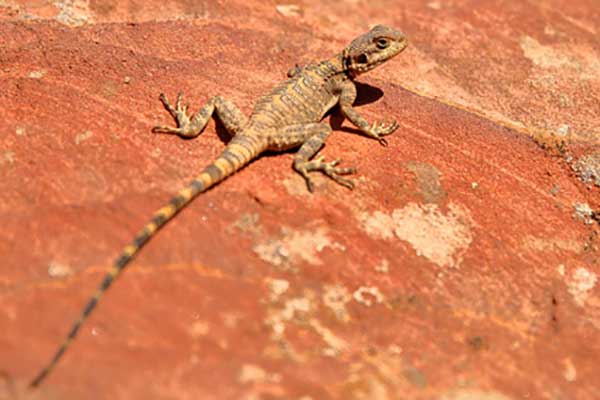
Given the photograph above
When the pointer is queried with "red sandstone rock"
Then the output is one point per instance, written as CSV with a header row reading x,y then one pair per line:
x,y
462,266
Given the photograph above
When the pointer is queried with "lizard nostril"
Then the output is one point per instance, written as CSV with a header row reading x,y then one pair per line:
x,y
362,59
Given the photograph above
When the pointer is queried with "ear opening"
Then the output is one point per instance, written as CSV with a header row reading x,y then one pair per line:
x,y
362,59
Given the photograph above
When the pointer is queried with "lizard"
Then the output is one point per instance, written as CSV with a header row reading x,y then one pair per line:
x,y
286,118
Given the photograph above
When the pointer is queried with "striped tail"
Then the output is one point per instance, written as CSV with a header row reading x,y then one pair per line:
x,y
239,152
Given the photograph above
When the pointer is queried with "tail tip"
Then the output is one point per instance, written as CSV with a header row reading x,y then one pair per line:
x,y
38,379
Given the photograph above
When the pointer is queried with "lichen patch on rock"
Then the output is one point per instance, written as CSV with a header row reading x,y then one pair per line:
x,y
440,237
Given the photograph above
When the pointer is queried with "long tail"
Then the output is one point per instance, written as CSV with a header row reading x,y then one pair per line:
x,y
239,152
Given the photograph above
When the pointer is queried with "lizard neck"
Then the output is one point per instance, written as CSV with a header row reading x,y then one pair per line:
x,y
338,62
333,67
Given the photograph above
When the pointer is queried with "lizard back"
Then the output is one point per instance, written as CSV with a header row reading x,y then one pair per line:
x,y
303,98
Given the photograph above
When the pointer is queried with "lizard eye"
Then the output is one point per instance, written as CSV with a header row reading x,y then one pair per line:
x,y
382,43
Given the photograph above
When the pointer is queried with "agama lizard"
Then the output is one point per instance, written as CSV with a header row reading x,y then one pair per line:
x,y
286,118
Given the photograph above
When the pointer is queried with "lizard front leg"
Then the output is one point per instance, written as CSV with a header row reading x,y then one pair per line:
x,y
375,130
232,118
312,137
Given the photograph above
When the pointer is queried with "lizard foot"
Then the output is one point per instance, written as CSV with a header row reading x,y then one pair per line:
x,y
330,169
185,128
379,129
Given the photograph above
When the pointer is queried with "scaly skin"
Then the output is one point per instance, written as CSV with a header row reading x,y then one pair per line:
x,y
288,117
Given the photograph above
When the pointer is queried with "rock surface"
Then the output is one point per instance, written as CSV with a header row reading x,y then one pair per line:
x,y
463,266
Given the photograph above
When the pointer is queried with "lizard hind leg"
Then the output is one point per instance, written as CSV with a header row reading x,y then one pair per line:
x,y
191,126
316,134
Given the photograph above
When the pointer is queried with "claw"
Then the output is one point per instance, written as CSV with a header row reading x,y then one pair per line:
x,y
187,127
327,168
345,182
381,128
165,129
167,105
346,171
334,173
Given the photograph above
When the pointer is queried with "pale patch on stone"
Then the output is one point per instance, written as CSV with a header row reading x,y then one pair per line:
x,y
297,307
563,130
249,223
367,295
552,244
73,12
561,270
299,311
581,60
37,74
335,297
543,56
378,225
441,238
199,329
295,246
472,394
335,344
156,152
383,266
59,270
570,373
581,283
277,287
549,30
252,374
273,252
289,10
83,136
8,157
20,131
434,5
394,349
583,212
588,168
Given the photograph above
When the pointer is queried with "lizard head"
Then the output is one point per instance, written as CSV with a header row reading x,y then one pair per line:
x,y
372,49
